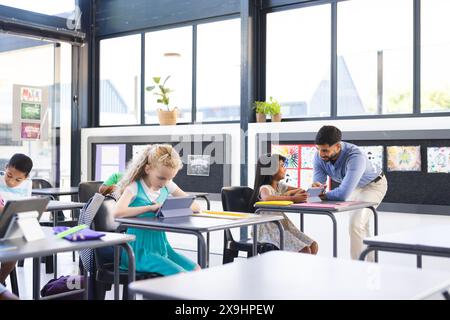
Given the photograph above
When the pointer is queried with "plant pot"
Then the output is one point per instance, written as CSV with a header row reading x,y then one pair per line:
x,y
260,117
168,118
276,117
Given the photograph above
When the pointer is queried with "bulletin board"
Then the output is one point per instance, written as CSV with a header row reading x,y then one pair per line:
x,y
216,149
413,186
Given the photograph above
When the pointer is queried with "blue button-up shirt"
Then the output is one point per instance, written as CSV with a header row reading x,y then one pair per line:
x,y
352,169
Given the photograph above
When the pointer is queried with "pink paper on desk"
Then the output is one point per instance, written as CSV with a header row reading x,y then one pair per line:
x,y
326,204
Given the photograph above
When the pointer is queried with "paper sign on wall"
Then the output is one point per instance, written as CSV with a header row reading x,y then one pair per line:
x,y
30,113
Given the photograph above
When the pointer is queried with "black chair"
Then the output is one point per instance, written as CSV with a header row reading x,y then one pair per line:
x,y
237,199
86,190
61,220
104,257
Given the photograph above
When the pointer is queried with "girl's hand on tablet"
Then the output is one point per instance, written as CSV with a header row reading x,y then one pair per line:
x,y
154,207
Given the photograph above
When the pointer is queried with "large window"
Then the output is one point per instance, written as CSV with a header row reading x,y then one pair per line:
x,y
49,7
375,57
37,124
298,61
169,53
218,71
120,81
435,71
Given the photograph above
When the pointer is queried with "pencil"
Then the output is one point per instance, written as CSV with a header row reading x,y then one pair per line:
x,y
226,213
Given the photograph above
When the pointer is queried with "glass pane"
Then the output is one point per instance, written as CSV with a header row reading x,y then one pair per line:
x,y
435,38
375,57
65,127
169,53
36,124
50,7
120,81
218,71
298,61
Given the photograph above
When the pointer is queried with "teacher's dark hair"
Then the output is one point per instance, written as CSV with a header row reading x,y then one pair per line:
x,y
328,135
266,168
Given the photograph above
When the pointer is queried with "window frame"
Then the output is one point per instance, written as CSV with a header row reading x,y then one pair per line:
x,y
142,33
264,9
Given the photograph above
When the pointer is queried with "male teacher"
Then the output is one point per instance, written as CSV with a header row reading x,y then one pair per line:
x,y
345,164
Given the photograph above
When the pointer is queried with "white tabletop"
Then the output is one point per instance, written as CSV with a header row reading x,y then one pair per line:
x,y
51,244
294,276
430,238
55,205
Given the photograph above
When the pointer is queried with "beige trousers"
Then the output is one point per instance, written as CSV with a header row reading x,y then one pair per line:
x,y
359,219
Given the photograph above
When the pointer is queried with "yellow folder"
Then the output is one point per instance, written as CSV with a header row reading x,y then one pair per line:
x,y
275,203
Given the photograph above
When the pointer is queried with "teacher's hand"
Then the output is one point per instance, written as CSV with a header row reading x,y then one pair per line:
x,y
317,185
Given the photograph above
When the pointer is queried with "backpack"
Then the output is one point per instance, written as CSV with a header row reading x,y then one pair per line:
x,y
64,284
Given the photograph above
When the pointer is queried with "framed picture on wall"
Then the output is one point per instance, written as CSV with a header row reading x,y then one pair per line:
x,y
438,159
375,155
198,165
404,158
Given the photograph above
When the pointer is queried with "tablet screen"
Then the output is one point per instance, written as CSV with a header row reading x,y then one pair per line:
x,y
314,192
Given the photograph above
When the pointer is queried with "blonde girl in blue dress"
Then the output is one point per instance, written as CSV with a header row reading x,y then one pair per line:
x,y
145,186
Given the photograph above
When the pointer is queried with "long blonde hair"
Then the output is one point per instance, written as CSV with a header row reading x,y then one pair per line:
x,y
154,155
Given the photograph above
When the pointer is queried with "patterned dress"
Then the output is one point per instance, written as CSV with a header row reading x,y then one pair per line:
x,y
294,239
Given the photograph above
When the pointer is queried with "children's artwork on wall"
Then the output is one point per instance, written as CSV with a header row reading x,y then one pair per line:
x,y
307,156
438,159
291,178
403,158
198,165
300,163
288,151
375,156
306,179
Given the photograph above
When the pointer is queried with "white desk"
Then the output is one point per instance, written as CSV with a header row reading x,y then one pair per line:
x,y
294,276
52,245
429,241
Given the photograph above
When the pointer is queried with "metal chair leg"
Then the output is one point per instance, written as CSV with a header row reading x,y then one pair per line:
x,y
14,283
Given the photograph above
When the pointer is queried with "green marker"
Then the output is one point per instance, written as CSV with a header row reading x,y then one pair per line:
x,y
71,230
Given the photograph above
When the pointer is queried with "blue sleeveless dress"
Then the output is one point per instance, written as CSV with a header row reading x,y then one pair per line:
x,y
152,250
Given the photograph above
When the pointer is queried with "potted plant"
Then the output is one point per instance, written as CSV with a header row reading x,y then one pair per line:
x,y
169,116
275,110
262,109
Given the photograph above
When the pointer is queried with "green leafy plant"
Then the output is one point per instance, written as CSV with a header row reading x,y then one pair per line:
x,y
272,107
261,107
163,94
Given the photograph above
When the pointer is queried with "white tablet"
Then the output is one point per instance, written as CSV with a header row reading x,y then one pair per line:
x,y
314,192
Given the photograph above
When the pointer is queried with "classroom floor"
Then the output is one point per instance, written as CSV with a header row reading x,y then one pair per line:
x,y
317,227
